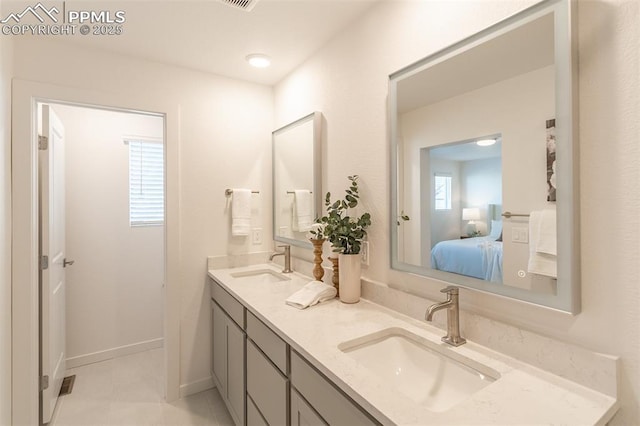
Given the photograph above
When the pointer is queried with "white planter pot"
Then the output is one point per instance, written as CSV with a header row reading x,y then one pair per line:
x,y
349,273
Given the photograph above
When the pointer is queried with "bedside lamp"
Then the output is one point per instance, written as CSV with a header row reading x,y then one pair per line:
x,y
471,214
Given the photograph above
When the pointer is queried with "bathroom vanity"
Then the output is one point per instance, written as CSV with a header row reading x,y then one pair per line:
x,y
332,364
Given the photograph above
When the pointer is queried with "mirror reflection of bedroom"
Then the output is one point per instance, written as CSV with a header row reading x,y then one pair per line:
x,y
453,195
466,198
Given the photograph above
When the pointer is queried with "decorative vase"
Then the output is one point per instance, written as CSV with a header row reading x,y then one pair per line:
x,y
318,270
349,275
335,279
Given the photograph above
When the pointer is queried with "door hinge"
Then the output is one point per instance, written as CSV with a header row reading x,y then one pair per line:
x,y
44,262
43,143
44,382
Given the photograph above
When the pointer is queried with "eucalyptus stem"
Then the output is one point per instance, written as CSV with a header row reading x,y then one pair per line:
x,y
344,232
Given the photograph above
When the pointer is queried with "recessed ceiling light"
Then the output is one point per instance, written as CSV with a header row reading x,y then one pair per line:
x,y
485,142
259,60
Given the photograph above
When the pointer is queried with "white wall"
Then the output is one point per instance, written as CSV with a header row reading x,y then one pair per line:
x,y
218,150
347,80
6,70
482,183
114,289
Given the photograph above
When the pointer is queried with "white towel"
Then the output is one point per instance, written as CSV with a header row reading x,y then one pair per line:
x,y
312,293
241,212
302,210
546,242
542,243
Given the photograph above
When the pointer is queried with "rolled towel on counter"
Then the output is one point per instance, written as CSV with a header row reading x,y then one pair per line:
x,y
241,212
302,210
312,293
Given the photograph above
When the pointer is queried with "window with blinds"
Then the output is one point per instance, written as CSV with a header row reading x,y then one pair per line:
x,y
146,182
442,192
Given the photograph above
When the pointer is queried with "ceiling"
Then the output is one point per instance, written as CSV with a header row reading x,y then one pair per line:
x,y
209,36
467,151
523,49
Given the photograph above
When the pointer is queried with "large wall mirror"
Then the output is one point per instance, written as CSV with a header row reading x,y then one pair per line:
x,y
484,161
296,179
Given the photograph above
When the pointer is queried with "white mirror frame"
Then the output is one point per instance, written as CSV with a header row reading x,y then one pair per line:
x,y
567,297
316,118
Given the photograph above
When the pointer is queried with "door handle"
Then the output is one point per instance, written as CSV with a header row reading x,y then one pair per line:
x,y
66,262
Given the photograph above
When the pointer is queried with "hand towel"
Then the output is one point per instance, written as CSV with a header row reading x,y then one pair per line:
x,y
312,293
542,237
241,212
302,210
546,242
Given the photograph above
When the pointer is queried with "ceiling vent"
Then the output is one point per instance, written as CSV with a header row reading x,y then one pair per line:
x,y
246,5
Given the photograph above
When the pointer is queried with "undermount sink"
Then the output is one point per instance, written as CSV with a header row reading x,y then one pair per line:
x,y
421,370
261,275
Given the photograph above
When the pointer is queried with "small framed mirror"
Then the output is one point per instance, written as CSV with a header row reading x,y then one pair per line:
x,y
484,161
296,179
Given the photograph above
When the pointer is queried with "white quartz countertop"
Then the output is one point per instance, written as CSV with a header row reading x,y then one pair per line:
x,y
522,395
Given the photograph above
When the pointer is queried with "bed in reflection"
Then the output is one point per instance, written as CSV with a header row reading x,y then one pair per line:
x,y
478,257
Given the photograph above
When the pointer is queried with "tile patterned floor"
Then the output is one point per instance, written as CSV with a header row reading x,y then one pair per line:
x,y
128,391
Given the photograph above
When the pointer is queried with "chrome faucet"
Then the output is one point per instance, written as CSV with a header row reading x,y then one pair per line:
x,y
453,316
287,258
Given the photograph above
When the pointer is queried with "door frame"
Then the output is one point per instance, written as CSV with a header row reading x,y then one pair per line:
x,y
24,246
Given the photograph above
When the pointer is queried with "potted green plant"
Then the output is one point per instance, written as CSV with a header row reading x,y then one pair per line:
x,y
346,234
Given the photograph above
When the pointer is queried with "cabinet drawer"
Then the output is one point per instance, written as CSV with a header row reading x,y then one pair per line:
x,y
324,397
232,307
267,387
273,346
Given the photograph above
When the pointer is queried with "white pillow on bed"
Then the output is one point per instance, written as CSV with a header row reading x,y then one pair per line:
x,y
496,229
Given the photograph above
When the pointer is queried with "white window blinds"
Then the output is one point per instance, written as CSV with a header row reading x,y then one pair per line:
x,y
146,183
442,192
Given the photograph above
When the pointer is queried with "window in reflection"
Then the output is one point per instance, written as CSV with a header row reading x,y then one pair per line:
x,y
442,189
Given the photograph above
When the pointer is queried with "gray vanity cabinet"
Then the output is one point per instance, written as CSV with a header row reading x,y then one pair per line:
x,y
264,382
254,418
267,380
228,352
301,412
327,401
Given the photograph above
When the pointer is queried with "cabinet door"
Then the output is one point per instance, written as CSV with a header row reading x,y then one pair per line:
x,y
324,397
254,418
268,388
219,348
302,414
228,349
235,371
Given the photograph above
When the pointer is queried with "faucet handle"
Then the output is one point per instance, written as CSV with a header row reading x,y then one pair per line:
x,y
450,290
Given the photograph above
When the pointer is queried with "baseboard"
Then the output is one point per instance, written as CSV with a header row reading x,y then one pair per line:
x,y
79,360
196,387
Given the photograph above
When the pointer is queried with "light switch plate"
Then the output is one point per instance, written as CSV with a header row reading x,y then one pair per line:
x,y
256,236
520,235
364,252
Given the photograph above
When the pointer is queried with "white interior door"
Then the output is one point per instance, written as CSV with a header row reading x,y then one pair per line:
x,y
52,250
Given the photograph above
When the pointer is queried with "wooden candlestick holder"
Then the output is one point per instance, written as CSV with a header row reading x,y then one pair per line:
x,y
335,279
318,270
